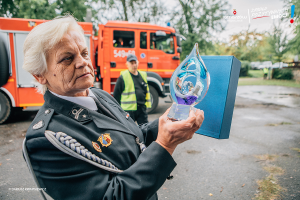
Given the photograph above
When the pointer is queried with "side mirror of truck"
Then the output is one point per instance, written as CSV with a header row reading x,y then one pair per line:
x,y
179,49
178,40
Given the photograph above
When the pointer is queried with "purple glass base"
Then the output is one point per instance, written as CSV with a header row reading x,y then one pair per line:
x,y
188,101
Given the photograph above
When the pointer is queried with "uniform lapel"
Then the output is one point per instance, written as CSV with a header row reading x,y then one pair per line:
x,y
105,122
115,111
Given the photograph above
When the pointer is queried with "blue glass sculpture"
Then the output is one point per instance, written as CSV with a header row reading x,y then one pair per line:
x,y
188,86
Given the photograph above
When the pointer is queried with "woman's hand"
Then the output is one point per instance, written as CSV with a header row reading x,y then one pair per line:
x,y
170,133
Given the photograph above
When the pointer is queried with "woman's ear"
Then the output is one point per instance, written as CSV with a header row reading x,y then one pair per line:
x,y
40,78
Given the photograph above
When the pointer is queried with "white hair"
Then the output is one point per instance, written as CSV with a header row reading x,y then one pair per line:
x,y
41,39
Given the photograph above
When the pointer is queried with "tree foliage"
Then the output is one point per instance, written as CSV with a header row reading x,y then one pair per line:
x,y
43,9
131,10
295,42
7,7
198,21
248,45
278,43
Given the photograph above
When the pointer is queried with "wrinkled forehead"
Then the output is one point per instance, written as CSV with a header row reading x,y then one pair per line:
x,y
72,39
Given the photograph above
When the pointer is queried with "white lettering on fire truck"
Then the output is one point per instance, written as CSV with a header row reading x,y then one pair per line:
x,y
123,53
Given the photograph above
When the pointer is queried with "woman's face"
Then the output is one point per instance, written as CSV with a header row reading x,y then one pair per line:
x,y
70,71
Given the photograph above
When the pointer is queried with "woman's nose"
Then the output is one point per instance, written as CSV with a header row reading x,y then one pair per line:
x,y
81,62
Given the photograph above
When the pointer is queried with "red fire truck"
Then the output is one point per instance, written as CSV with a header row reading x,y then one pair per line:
x,y
157,48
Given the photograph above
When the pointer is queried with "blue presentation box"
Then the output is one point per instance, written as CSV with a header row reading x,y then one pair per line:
x,y
218,104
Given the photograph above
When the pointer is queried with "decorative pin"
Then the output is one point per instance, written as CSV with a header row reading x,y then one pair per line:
x,y
76,113
96,147
80,114
47,111
127,116
105,139
38,125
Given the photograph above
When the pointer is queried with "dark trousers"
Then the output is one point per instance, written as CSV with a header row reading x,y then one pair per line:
x,y
140,115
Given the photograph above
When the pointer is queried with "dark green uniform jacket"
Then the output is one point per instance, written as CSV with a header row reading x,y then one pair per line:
x,y
66,177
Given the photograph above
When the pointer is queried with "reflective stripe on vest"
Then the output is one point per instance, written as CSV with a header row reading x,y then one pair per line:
x,y
128,97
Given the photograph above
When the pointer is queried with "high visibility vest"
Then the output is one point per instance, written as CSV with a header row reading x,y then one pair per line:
x,y
128,97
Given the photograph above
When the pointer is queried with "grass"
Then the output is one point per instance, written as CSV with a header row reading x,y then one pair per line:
x,y
256,73
274,170
269,188
267,157
256,78
260,81
282,123
296,149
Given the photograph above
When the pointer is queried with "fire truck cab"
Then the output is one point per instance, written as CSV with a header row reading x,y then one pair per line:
x,y
157,49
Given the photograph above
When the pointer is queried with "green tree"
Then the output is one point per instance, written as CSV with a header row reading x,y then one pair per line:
x,y
7,8
198,21
278,43
130,10
35,9
249,45
43,9
295,42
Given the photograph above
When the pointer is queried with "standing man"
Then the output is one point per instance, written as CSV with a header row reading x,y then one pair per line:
x,y
132,91
266,71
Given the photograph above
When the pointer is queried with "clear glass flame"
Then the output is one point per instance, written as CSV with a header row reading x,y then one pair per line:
x,y
190,81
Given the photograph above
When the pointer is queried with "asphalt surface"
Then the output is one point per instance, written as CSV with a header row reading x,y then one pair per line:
x,y
266,121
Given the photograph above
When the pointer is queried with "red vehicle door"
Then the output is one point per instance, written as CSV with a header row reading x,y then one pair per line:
x,y
161,53
141,53
125,41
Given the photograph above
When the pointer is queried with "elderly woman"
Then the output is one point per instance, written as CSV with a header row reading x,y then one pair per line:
x,y
81,144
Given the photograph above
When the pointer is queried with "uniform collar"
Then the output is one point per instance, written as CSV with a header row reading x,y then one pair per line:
x,y
66,107
86,102
83,114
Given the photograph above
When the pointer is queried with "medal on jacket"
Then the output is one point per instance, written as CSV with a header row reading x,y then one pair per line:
x,y
105,139
96,147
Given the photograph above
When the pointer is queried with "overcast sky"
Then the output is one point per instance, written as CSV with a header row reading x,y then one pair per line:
x,y
246,8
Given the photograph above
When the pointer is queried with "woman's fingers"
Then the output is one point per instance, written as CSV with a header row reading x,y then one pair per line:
x,y
199,119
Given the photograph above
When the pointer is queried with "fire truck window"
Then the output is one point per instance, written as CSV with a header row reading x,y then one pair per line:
x,y
123,39
164,43
143,40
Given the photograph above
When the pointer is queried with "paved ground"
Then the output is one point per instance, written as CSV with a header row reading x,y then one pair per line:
x,y
206,168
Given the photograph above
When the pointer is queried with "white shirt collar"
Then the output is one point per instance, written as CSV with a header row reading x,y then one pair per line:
x,y
87,102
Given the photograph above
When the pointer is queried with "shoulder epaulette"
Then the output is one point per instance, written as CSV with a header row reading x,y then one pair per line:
x,y
40,123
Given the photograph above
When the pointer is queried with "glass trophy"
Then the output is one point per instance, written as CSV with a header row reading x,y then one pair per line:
x,y
188,85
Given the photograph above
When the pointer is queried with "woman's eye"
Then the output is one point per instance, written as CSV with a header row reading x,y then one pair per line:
x,y
85,54
67,59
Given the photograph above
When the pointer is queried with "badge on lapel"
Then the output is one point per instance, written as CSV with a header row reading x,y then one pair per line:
x,y
105,139
38,125
80,114
96,147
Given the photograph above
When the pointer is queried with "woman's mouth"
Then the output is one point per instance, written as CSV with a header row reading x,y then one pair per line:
x,y
84,75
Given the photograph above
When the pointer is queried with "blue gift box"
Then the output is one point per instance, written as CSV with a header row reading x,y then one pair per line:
x,y
218,104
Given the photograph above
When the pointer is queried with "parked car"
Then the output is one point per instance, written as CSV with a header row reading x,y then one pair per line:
x,y
267,64
254,65
279,65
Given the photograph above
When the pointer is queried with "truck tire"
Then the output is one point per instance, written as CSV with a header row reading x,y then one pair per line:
x,y
154,99
4,64
5,108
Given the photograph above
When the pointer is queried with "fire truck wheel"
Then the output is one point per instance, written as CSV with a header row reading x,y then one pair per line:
x,y
154,99
5,108
4,65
